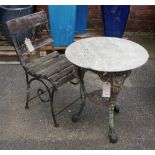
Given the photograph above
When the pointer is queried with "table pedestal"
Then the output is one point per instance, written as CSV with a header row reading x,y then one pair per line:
x,y
117,80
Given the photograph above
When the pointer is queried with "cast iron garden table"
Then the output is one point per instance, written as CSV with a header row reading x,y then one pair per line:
x,y
110,58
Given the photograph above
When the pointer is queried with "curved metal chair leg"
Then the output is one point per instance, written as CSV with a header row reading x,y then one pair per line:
x,y
76,116
28,92
51,95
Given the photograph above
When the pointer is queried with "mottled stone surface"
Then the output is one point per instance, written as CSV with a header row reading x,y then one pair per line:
x,y
107,54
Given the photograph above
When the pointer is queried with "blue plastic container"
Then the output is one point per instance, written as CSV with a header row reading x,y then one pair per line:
x,y
62,23
8,12
81,19
115,18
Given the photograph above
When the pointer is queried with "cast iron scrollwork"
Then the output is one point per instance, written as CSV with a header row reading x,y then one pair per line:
x,y
40,92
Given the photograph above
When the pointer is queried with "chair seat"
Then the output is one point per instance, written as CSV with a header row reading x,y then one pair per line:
x,y
53,67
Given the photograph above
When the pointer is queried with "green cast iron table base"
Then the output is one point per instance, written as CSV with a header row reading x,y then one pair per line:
x,y
117,80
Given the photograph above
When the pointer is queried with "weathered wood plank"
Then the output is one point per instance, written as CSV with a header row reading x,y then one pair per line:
x,y
41,61
64,79
42,66
4,43
7,48
2,38
42,42
26,22
9,62
7,53
86,35
49,47
54,68
61,73
1,33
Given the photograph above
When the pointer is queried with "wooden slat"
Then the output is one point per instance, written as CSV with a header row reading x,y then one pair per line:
x,y
53,68
49,47
7,53
61,73
2,38
26,22
86,35
41,61
4,43
40,67
1,33
7,48
9,62
42,42
64,79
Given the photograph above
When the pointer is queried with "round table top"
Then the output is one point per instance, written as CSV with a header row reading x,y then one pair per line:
x,y
107,54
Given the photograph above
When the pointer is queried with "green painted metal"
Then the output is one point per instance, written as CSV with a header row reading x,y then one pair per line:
x,y
117,80
82,90
80,75
28,91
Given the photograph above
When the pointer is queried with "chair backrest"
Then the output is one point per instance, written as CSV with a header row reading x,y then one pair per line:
x,y
27,27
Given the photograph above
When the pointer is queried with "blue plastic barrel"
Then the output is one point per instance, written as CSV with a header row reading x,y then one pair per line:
x,y
81,19
62,23
8,12
115,18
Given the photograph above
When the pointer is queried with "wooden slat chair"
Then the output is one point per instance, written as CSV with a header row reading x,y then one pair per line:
x,y
53,68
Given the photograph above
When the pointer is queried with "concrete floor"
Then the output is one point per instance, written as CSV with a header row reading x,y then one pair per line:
x,y
33,128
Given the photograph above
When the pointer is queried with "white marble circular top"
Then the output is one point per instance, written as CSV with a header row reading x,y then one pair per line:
x,y
107,54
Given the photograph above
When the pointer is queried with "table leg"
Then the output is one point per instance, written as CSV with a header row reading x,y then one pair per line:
x,y
117,81
112,134
80,75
